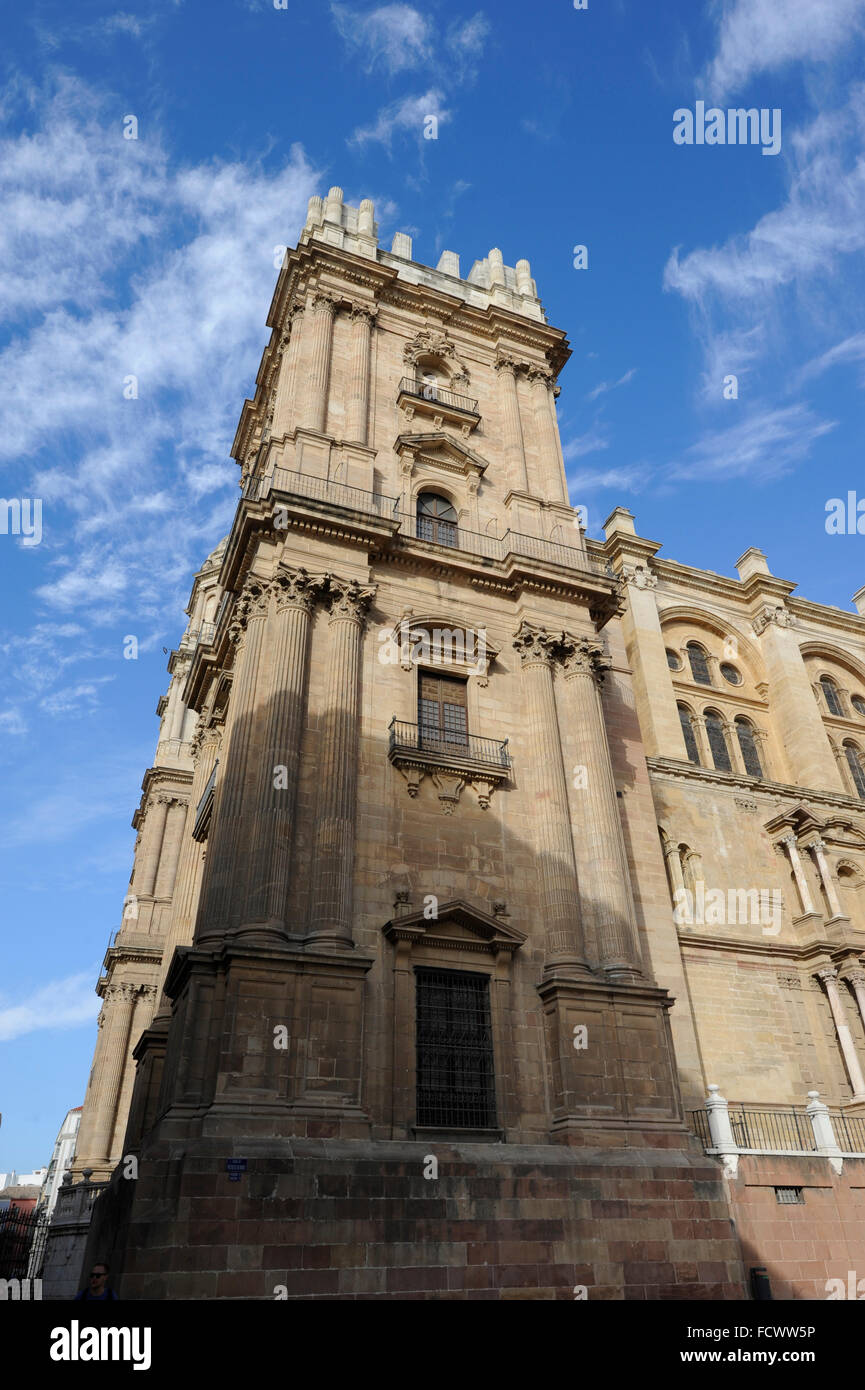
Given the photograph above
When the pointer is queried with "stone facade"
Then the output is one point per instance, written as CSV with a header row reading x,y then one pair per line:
x,y
422,729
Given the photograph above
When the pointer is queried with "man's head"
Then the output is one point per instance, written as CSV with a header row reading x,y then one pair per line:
x,y
98,1276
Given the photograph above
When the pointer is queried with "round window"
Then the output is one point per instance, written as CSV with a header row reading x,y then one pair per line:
x,y
673,660
730,673
858,704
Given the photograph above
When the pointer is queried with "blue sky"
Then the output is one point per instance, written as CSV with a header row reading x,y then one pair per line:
x,y
155,257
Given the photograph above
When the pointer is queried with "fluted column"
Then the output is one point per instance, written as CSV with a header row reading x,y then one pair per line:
x,y
331,896
287,636
171,843
818,849
557,866
551,480
363,319
674,869
605,873
225,876
856,979
283,409
318,362
179,932
147,864
789,843
120,1002
514,450
142,1012
829,978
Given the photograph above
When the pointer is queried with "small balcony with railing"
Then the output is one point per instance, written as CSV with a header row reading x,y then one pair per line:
x,y
425,397
452,758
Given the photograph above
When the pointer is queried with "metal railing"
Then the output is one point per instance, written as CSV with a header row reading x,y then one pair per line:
x,y
414,738
849,1130
431,391
305,485
447,536
699,1122
771,1129
205,634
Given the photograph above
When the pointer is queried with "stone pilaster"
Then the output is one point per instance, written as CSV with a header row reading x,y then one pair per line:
x,y
287,637
603,862
172,841
514,449
789,843
119,1008
557,867
357,415
283,409
829,980
147,862
225,877
142,1013
331,894
318,362
818,849
551,482
802,734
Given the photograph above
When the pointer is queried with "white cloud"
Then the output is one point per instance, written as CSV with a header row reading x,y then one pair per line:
x,y
852,349
402,117
765,35
766,444
587,443
66,1003
395,37
605,386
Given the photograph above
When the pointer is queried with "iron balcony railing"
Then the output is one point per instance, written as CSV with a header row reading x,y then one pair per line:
x,y
415,738
205,634
431,391
849,1131
305,485
765,1131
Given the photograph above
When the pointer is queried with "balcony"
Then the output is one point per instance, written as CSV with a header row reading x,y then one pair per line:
x,y
728,1131
451,759
325,490
429,391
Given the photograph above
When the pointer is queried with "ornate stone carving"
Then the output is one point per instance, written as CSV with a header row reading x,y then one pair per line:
x,y
348,599
253,603
585,657
364,311
640,576
295,589
431,342
535,644
777,614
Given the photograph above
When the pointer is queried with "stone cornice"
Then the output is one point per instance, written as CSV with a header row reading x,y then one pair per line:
x,y
777,953
672,768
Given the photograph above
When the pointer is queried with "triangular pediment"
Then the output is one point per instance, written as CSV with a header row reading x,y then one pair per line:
x,y
434,446
458,924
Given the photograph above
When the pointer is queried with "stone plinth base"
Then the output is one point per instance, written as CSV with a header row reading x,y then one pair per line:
x,y
313,1219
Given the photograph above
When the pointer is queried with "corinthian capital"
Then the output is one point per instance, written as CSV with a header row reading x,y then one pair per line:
x,y
369,312
505,363
536,644
253,603
324,303
586,658
295,589
348,599
540,374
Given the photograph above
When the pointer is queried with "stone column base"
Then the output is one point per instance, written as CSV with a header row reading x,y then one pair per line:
x,y
610,1055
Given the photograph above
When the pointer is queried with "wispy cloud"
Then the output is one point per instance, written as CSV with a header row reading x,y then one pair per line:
x,y
606,386
395,37
66,1003
765,35
405,116
587,443
624,479
852,349
765,445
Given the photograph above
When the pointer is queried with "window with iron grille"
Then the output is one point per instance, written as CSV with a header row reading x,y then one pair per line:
x,y
748,748
830,690
854,762
455,1078
717,742
699,664
442,715
436,519
789,1196
689,735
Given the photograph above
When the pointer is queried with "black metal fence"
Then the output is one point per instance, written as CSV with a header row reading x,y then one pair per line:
x,y
447,742
23,1235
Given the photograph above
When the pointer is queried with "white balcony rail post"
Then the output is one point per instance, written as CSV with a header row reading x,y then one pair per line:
x,y
824,1133
721,1131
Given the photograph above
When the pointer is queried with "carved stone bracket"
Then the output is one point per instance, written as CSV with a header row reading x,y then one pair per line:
x,y
777,614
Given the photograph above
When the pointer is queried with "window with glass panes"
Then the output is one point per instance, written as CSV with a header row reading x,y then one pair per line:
x,y
854,762
442,711
698,663
455,1078
830,690
689,735
748,748
436,519
717,742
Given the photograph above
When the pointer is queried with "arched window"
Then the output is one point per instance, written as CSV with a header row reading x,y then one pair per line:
x,y
858,704
748,748
717,741
699,664
830,690
674,661
730,673
436,519
854,762
688,734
